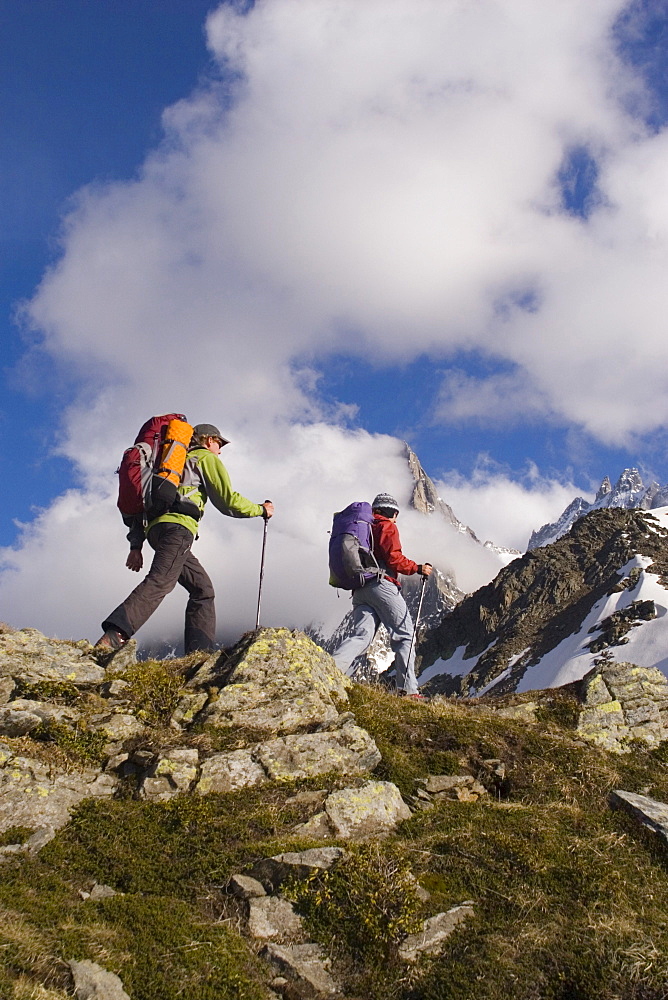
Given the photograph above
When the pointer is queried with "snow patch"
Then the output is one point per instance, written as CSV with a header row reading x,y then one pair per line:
x,y
458,665
647,644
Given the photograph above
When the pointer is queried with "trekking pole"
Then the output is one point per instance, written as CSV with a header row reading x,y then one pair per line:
x,y
264,546
417,619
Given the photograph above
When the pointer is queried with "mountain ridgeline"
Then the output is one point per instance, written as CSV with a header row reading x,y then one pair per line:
x,y
557,607
629,493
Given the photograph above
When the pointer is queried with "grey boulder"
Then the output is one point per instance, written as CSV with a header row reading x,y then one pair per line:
x,y
92,982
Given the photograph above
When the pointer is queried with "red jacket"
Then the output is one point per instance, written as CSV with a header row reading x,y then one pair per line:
x,y
387,549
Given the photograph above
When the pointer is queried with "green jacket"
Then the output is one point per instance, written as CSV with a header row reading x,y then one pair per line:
x,y
206,478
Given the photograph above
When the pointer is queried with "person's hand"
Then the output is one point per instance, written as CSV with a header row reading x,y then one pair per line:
x,y
135,560
268,509
425,569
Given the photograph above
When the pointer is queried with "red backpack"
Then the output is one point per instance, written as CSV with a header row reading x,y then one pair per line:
x,y
150,471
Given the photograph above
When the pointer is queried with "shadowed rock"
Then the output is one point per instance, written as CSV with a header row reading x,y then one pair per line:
x,y
650,812
272,872
303,963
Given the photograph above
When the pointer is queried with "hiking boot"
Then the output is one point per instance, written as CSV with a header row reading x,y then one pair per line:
x,y
416,696
112,639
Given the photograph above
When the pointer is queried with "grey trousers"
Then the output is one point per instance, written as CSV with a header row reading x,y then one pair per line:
x,y
173,563
380,602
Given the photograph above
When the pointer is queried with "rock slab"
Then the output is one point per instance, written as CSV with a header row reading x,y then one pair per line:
x,y
435,930
349,750
35,795
622,701
651,813
28,656
372,810
273,918
92,982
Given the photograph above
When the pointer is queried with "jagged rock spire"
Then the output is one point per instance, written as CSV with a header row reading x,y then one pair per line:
x,y
425,497
603,489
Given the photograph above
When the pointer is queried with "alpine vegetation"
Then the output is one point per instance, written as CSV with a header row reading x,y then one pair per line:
x,y
250,824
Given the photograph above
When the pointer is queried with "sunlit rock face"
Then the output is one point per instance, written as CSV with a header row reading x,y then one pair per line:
x,y
550,616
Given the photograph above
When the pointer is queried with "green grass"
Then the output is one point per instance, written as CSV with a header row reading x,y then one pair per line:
x,y
80,744
570,897
154,689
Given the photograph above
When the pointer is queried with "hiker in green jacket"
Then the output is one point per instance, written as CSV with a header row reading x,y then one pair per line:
x,y
171,536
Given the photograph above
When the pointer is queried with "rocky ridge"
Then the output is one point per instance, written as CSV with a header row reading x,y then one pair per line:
x,y
282,692
250,823
548,615
629,493
283,704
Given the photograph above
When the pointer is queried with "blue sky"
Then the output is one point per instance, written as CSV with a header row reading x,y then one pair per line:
x,y
446,227
82,89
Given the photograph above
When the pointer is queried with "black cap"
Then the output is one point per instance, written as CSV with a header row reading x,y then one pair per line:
x,y
209,430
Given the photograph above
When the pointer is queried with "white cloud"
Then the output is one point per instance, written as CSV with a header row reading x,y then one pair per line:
x,y
68,571
504,507
385,168
504,399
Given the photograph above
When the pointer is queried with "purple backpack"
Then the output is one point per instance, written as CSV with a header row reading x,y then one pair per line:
x,y
351,559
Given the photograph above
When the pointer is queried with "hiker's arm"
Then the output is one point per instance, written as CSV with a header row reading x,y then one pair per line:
x,y
390,549
135,560
135,535
219,490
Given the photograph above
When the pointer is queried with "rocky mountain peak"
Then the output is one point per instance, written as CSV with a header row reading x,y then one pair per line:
x,y
425,496
548,616
630,481
629,492
604,488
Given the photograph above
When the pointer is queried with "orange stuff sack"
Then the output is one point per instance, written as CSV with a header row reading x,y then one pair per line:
x,y
174,451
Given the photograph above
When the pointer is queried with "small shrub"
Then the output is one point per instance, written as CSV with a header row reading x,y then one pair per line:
x,y
563,712
154,689
366,904
63,691
84,745
660,752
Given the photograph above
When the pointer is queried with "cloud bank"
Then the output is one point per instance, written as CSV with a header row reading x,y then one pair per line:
x,y
378,178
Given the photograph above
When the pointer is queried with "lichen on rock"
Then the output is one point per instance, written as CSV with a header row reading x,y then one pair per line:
x,y
622,702
371,810
278,681
27,655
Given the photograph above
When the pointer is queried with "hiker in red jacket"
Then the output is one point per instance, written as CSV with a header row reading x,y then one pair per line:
x,y
381,601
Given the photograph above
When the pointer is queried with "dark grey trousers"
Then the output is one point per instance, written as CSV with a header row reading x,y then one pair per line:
x,y
173,563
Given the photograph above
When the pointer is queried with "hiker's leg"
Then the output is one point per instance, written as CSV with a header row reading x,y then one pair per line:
x,y
364,625
172,544
200,632
390,606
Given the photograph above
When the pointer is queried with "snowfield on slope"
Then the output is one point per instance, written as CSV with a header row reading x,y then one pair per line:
x,y
647,644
